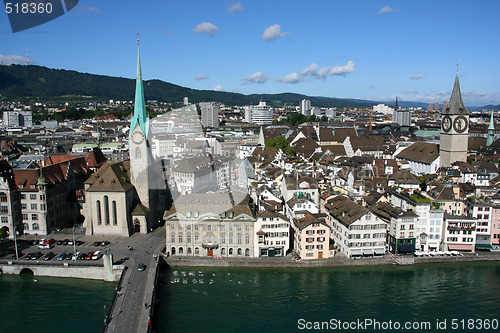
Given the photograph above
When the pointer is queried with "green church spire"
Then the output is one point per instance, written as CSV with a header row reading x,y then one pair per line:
x,y
491,131
140,118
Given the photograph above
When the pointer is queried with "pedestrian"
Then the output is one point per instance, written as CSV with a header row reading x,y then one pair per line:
x,y
146,305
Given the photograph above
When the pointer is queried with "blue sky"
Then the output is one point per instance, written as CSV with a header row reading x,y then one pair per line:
x,y
349,49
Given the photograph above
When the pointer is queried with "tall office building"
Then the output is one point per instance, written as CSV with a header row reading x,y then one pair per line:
x,y
210,114
17,119
402,117
305,107
262,114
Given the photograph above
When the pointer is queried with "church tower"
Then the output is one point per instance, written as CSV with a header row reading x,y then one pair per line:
x,y
491,131
454,139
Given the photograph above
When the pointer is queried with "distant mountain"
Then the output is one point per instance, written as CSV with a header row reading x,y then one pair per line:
x,y
489,107
36,82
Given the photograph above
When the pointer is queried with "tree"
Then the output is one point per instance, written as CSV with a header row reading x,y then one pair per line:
x,y
280,142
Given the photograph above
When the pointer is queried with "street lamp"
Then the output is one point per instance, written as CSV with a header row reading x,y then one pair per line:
x,y
74,244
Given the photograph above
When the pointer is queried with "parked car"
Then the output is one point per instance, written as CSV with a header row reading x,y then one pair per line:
x,y
97,243
78,243
59,242
35,242
28,256
69,256
65,242
81,256
141,267
36,255
104,243
48,256
70,242
89,256
45,246
62,256
97,255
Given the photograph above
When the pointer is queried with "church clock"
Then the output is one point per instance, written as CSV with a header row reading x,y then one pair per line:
x,y
460,124
137,138
446,123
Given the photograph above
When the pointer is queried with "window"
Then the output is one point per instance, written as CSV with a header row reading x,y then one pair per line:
x,y
33,196
230,251
189,250
172,238
35,226
188,238
34,216
196,238
106,210
239,239
5,219
33,206
247,239
223,239
247,252
239,252
247,228
26,226
25,216
180,238
138,153
3,197
115,215
172,227
23,196
223,251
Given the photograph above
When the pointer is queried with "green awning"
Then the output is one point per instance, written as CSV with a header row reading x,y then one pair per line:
x,y
484,247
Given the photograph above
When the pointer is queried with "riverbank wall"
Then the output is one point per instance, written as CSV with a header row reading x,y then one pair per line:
x,y
64,270
285,262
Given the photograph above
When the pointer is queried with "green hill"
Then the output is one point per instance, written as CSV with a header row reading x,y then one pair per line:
x,y
20,82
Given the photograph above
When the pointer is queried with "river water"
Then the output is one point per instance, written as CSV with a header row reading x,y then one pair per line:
x,y
443,296
42,304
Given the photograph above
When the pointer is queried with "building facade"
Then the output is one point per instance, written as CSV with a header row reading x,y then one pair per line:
x,y
210,114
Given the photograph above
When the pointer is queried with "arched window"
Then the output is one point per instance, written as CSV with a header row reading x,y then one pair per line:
x,y
223,251
115,216
181,250
3,197
189,250
35,226
196,251
247,252
230,251
137,153
106,210
26,226
98,208
239,252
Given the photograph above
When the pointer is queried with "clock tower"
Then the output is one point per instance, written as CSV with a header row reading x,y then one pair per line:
x,y
454,138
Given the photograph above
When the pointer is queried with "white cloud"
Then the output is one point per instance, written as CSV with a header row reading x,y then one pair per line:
x,y
200,77
218,88
257,77
235,7
93,10
471,98
312,72
206,28
417,76
13,60
410,92
385,10
273,32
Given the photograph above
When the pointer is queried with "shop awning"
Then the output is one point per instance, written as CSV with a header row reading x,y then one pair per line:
x,y
356,252
460,247
484,247
368,252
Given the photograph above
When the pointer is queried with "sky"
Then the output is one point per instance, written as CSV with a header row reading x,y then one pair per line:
x,y
366,49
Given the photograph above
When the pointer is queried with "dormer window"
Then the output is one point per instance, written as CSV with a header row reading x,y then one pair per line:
x,y
32,186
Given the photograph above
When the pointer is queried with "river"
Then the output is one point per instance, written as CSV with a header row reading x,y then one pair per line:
x,y
283,300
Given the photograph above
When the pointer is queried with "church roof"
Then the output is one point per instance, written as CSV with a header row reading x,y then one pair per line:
x,y
456,105
420,151
111,177
140,209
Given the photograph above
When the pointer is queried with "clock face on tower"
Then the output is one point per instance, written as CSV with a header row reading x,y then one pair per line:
x,y
137,138
460,124
446,123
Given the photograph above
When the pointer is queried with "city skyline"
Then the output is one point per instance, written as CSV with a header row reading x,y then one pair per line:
x,y
373,50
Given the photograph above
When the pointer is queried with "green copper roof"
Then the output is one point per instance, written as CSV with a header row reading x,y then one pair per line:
x,y
140,118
